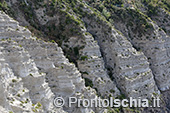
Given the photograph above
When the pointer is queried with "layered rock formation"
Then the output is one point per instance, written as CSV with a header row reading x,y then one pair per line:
x,y
44,70
91,64
111,51
155,45
162,20
129,68
14,97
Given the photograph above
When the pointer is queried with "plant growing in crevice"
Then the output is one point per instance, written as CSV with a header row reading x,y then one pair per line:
x,y
88,82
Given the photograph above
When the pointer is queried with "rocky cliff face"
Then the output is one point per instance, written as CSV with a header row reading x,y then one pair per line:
x,y
43,70
85,49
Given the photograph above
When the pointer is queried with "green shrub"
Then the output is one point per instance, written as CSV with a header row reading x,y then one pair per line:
x,y
85,72
84,58
112,91
13,80
106,13
38,106
52,41
88,82
76,51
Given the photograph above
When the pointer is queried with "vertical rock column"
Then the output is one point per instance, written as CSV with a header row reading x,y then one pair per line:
x,y
156,46
91,65
129,67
